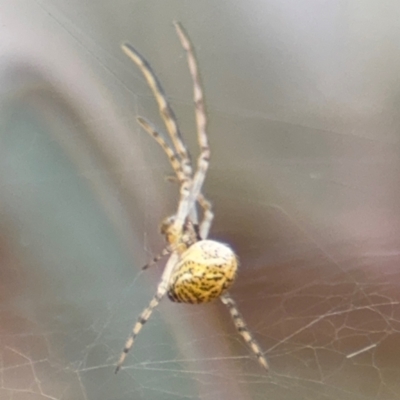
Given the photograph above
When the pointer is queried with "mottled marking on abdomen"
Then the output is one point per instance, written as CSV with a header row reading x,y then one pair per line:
x,y
205,271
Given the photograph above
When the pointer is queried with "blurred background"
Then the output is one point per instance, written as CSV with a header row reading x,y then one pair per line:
x,y
303,101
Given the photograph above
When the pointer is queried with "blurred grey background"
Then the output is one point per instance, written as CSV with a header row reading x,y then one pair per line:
x,y
303,101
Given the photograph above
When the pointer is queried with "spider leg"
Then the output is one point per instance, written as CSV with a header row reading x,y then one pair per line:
x,y
188,197
169,118
166,112
167,250
208,216
241,327
145,315
198,97
171,154
177,167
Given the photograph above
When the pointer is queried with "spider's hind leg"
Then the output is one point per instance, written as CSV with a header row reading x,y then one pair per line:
x,y
241,327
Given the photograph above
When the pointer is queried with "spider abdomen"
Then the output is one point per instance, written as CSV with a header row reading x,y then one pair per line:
x,y
205,271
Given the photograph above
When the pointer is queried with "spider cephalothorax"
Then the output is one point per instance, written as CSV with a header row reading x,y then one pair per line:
x,y
179,241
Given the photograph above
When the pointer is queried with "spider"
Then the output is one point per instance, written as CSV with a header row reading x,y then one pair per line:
x,y
198,270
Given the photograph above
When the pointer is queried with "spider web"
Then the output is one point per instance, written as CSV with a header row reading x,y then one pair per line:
x,y
303,179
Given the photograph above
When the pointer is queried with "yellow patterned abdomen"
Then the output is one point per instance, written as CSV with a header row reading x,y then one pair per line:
x,y
205,271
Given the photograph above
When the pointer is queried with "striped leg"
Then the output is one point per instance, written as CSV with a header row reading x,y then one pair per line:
x,y
166,112
167,250
241,327
177,167
145,315
188,198
170,121
172,156
208,216
198,97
